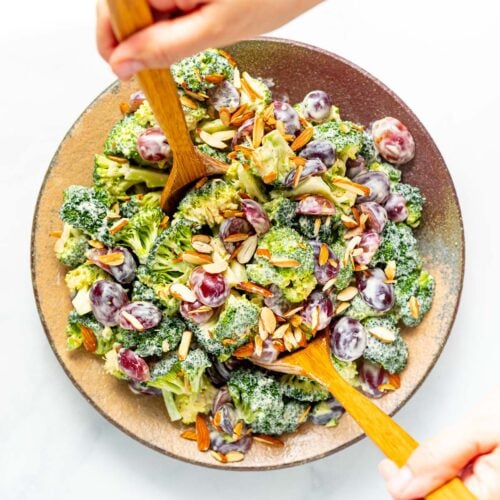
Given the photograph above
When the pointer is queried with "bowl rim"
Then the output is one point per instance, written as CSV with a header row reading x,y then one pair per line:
x,y
216,465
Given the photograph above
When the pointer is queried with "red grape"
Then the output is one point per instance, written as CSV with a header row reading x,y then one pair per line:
x,y
375,291
370,241
320,149
378,183
316,205
371,377
212,290
106,299
198,317
153,146
326,310
132,365
145,313
317,106
393,140
395,207
348,339
377,216
355,167
256,216
329,269
286,114
224,95
233,225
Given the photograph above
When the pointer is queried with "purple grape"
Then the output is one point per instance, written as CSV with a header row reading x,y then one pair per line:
x,y
142,388
336,411
348,339
278,303
123,273
132,365
221,398
269,352
211,290
322,150
317,106
153,146
395,207
370,241
286,114
326,309
218,443
377,216
256,215
314,166
372,376
316,205
378,183
393,140
327,271
355,167
220,372
106,299
245,130
224,95
198,317
375,291
233,225
146,314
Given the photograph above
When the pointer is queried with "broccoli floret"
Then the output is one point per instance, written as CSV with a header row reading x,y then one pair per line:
x,y
190,72
244,181
189,405
346,270
214,153
360,310
105,336
205,338
285,243
117,178
303,388
141,292
204,205
344,200
348,370
398,244
193,115
258,398
312,185
312,230
141,232
144,115
137,202
326,413
414,202
122,140
368,151
281,211
420,285
346,137
86,209
165,337
262,97
393,356
71,246
392,172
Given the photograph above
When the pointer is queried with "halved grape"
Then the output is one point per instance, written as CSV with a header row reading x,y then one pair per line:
x,y
355,167
224,95
132,365
378,183
393,140
395,207
348,339
329,269
123,273
269,352
146,314
320,149
314,166
371,377
153,145
316,205
323,418
220,444
277,302
370,241
317,106
220,372
142,388
256,215
136,99
375,291
286,114
233,225
211,289
196,312
326,309
377,216
245,130
106,299
221,398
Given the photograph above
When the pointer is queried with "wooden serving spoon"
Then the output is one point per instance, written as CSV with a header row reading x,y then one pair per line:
x,y
128,17
314,361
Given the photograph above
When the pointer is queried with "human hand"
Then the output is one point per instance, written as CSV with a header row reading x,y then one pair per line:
x,y
185,27
470,449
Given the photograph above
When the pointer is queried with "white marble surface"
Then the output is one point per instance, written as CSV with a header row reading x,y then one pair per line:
x,y
440,57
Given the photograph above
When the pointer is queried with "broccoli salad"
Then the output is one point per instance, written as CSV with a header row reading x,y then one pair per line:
x,y
310,230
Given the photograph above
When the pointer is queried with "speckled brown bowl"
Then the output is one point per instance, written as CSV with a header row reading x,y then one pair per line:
x,y
295,69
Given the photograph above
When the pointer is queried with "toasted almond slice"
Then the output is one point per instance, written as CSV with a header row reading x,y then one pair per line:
x,y
300,337
247,250
214,78
112,259
165,346
317,225
195,258
342,306
351,186
225,116
164,222
360,267
356,252
202,433
234,456
189,434
250,86
125,108
89,339
238,429
95,244
348,222
229,342
290,342
117,226
55,234
295,320
329,284
247,152
362,220
392,384
296,177
199,310
133,321
220,457
216,267
204,238
236,237
293,311
383,334
347,294
304,137
352,233
298,160
210,140
315,320
284,263
223,135
390,270
189,103
182,292
258,346
323,254
264,253
199,96
258,132
269,440
237,78
183,350
239,120
270,177
414,307
248,286
244,351
201,247
279,333
268,319
280,127
117,159
262,330
240,111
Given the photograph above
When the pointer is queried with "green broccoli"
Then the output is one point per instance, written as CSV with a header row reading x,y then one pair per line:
x,y
311,185
204,205
244,181
189,405
281,211
392,172
285,244
414,202
105,336
398,244
141,232
144,115
348,370
204,335
344,200
191,72
368,151
122,140
117,178
325,230
346,137
360,310
214,153
419,284
263,95
392,356
259,400
71,247
136,202
165,337
194,115
303,388
141,292
86,209
346,270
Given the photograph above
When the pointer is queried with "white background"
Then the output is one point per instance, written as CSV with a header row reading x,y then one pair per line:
x,y
441,57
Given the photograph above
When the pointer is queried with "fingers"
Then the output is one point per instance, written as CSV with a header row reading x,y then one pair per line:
x,y
106,41
483,476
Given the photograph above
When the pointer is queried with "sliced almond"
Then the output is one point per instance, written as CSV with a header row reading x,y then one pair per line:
x,y
238,429
304,137
244,351
201,247
392,384
360,267
357,252
342,306
390,270
298,173
117,159
165,346
229,57
250,86
268,319
202,433
95,244
323,254
290,342
203,238
199,310
270,177
264,253
211,141
225,116
214,78
132,320
200,183
195,258
232,213
315,320
189,103
317,226
258,346
414,307
263,334
329,284
216,267
237,78
55,234
247,250
347,294
295,320
182,292
239,120
300,337
293,311
199,96
229,342
236,237
183,350
383,334
89,339
224,135
284,263
269,440
250,287
280,127
352,233
298,160
351,186
189,434
164,222
112,259
258,131
279,333
220,457
234,456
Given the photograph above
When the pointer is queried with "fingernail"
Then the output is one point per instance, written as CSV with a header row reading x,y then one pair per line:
x,y
126,69
400,480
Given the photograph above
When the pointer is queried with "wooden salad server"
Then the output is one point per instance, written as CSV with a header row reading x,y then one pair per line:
x,y
128,17
314,361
